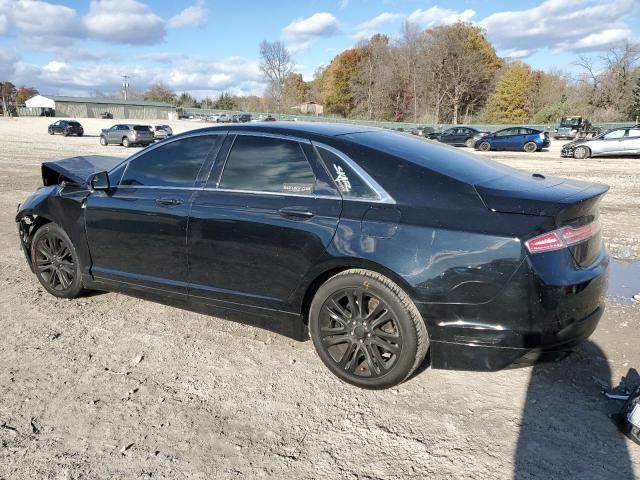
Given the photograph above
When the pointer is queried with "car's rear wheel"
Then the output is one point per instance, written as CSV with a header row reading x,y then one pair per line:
x,y
530,147
103,141
469,143
55,262
125,142
366,329
581,152
484,147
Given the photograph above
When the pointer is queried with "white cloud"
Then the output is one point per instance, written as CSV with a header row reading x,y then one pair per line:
x,y
194,16
124,21
300,33
570,25
514,53
372,26
42,19
440,16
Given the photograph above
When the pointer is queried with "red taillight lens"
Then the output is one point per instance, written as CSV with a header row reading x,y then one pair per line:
x,y
561,238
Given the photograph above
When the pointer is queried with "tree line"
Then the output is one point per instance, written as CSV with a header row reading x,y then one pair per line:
x,y
452,74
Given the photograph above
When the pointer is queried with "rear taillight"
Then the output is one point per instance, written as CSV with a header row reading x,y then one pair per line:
x,y
562,238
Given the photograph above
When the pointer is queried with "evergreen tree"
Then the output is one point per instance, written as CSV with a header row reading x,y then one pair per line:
x,y
509,103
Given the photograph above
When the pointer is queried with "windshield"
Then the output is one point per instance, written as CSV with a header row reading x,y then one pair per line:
x,y
570,122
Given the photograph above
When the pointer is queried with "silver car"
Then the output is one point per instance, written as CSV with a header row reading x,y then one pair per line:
x,y
127,135
616,142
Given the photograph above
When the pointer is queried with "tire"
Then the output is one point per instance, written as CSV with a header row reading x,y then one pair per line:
x,y
80,134
125,142
366,330
581,152
469,143
103,141
65,133
55,262
50,130
530,147
484,147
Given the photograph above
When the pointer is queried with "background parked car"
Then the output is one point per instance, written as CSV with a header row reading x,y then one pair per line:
x,y
127,135
66,127
160,131
106,115
514,138
243,118
458,136
619,141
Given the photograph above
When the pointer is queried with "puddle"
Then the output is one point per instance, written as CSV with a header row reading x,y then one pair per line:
x,y
624,279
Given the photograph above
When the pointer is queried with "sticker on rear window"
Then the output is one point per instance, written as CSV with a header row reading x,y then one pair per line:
x,y
344,185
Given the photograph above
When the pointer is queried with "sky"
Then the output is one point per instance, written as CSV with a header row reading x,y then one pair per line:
x,y
205,47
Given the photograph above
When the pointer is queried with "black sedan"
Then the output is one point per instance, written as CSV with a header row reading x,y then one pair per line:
x,y
458,136
66,128
381,247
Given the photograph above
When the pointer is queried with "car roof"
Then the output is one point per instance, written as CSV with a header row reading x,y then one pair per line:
x,y
298,128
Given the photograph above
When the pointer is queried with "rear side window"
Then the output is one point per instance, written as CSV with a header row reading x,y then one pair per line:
x,y
348,182
265,164
141,128
634,132
174,164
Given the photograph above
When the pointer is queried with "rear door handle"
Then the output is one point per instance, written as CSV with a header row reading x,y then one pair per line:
x,y
295,212
168,202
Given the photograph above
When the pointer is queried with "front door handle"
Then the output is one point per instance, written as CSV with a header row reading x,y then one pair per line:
x,y
296,212
168,202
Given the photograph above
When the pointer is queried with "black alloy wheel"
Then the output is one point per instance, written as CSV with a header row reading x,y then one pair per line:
x,y
484,146
55,261
366,329
530,147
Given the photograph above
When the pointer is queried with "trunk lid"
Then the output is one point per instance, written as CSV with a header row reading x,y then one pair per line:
x,y
76,170
569,202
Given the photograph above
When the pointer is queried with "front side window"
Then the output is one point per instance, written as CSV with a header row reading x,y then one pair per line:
x,y
174,164
614,134
264,164
348,182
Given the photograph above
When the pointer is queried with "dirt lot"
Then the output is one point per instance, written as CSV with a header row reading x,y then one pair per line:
x,y
109,386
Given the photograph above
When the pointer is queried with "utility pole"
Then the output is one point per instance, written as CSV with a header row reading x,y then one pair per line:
x,y
125,84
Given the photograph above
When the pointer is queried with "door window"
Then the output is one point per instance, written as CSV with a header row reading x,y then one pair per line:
x,y
507,132
614,134
174,164
634,132
348,182
265,164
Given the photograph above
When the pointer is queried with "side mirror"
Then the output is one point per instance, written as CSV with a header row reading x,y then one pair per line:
x,y
100,181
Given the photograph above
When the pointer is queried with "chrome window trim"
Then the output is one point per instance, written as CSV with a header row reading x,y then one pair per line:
x,y
155,186
279,194
383,195
268,135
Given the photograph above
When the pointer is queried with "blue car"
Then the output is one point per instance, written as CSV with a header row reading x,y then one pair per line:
x,y
514,138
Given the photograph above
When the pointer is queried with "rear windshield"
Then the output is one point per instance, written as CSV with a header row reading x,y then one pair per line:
x,y
141,128
445,160
74,124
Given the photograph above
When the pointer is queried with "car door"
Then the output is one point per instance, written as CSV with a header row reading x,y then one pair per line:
x,y
265,217
113,134
448,136
632,142
137,231
58,127
501,139
614,141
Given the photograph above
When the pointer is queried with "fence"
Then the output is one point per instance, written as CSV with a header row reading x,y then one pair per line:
x,y
204,112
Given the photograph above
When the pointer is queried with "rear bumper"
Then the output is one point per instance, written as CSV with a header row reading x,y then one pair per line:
x,y
479,357
543,312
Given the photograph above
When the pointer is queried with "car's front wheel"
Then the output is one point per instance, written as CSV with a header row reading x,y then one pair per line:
x,y
530,147
366,329
55,261
484,147
125,142
103,141
581,152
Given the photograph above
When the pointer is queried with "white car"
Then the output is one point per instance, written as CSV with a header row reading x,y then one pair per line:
x,y
160,131
618,142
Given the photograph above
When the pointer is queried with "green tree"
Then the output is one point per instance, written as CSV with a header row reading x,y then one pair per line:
x,y
186,100
510,102
160,93
635,101
225,102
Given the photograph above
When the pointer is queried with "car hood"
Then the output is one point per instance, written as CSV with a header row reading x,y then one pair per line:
x,y
77,170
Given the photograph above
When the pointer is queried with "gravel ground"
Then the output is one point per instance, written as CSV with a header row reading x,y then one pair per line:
x,y
110,386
